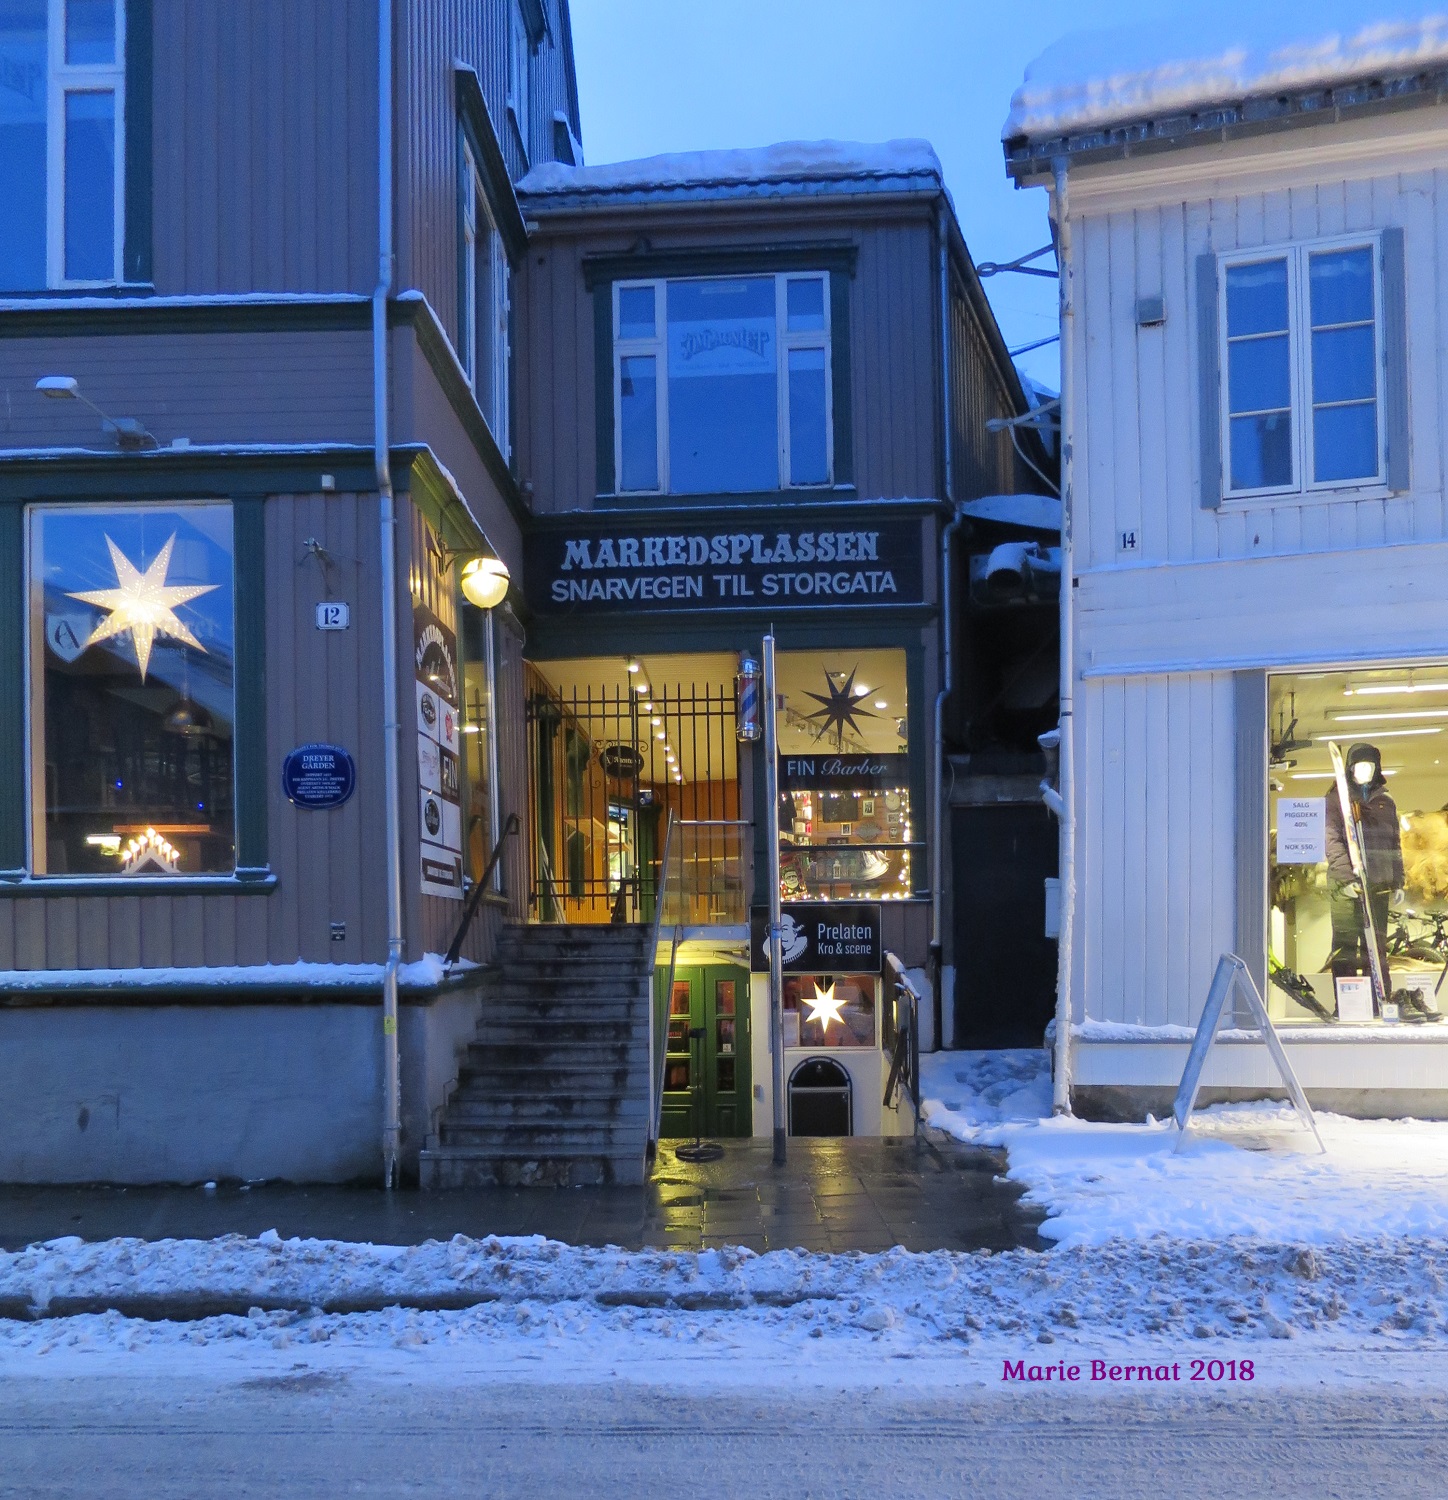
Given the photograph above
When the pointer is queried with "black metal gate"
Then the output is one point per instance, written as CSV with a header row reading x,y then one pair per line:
x,y
606,764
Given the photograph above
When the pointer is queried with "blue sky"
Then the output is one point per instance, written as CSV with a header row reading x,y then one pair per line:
x,y
679,75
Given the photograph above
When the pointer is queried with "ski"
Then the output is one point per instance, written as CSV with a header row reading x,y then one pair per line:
x,y
1352,832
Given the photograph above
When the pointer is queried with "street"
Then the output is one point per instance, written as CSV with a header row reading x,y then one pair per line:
x,y
328,1432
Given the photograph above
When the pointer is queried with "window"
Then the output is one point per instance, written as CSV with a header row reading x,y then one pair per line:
x,y
844,776
722,384
829,1010
131,690
484,295
1302,369
519,51
62,117
1390,725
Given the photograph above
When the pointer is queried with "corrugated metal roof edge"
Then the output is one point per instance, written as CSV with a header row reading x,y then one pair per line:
x,y
725,189
1029,159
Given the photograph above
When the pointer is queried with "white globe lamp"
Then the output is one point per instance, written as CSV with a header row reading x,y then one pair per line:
x,y
485,582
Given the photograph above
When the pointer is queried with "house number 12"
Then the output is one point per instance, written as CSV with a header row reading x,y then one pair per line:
x,y
332,616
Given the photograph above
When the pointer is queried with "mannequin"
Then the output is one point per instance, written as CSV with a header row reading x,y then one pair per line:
x,y
1382,855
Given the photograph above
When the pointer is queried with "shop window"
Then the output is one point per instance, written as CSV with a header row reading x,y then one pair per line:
x,y
484,302
844,775
62,118
1302,368
131,690
722,384
830,1010
1390,726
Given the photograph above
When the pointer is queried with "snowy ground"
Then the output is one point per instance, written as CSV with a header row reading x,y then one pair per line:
x,y
1247,1245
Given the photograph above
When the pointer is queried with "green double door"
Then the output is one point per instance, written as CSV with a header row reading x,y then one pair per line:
x,y
706,1077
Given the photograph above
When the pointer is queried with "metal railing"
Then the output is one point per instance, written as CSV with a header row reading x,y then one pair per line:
x,y
905,1056
475,896
701,883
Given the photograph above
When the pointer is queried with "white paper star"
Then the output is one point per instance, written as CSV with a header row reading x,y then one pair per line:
x,y
143,604
825,1008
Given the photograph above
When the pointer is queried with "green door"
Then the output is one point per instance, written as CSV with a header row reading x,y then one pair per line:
x,y
706,1077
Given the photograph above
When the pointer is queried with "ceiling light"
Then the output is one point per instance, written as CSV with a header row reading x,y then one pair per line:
x,y
1382,717
1395,687
659,735
1382,734
656,721
880,703
633,665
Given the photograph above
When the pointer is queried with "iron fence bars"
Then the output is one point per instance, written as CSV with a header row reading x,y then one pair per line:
x,y
607,765
904,1039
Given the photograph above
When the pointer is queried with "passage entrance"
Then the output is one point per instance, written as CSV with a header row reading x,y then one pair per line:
x,y
706,1076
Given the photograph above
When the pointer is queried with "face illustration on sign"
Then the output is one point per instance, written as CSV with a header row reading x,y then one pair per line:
x,y
793,940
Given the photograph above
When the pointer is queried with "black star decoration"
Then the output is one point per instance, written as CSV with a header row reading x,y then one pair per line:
x,y
841,709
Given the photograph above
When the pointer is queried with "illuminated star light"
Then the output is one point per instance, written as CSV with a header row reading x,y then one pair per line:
x,y
841,709
824,1007
143,604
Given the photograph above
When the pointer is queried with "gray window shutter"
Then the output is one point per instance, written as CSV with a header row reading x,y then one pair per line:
x,y
1209,382
1395,360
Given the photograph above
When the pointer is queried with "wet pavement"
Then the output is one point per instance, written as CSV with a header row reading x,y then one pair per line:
x,y
833,1194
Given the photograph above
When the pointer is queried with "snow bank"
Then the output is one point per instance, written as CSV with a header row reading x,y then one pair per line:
x,y
599,1304
1247,1170
1188,60
425,973
788,161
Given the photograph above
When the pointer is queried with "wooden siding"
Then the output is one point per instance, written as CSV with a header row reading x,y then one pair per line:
x,y
290,387
322,685
264,146
1137,431
432,38
982,463
894,363
1156,789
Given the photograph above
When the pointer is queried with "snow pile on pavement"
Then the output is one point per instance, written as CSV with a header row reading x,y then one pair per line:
x,y
1196,58
1247,1169
602,1300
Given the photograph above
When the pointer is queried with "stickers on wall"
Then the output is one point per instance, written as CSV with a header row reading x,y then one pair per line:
x,y
439,785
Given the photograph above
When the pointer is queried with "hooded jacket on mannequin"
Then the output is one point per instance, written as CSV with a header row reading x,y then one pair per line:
x,y
1377,819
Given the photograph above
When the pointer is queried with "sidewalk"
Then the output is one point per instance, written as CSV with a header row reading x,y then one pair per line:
x,y
834,1194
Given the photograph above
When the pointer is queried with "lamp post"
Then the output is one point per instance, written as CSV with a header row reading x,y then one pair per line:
x,y
485,584
776,916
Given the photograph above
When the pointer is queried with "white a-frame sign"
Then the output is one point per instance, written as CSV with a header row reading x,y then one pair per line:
x,y
1232,974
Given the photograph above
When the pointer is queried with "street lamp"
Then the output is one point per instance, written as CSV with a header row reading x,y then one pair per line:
x,y
485,582
129,431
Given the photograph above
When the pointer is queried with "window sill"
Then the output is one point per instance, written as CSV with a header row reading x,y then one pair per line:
x,y
243,883
1260,499
81,291
815,494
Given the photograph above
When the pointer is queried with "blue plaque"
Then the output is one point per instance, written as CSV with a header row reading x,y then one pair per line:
x,y
318,776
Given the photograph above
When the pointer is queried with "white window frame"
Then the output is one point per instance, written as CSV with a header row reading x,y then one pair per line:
x,y
62,79
1299,341
785,341
477,222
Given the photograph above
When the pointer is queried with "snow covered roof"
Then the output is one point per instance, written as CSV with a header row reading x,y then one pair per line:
x,y
787,169
1194,61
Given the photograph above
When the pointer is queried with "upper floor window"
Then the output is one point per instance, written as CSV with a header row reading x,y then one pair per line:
x,y
62,117
519,52
722,384
484,297
1303,369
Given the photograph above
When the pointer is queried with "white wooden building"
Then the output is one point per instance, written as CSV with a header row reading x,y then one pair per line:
x,y
1255,374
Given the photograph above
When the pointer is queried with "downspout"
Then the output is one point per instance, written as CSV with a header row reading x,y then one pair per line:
x,y
947,536
391,717
1065,778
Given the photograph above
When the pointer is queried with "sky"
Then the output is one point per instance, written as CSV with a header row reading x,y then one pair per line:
x,y
680,75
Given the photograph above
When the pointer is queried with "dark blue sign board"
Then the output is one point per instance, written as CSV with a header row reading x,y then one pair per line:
x,y
318,776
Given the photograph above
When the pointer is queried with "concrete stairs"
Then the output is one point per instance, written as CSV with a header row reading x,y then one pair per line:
x,y
554,1089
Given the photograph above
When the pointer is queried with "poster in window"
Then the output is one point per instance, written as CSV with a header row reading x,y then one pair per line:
x,y
439,784
1301,830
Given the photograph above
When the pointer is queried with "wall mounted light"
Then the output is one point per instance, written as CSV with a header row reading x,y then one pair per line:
x,y
129,431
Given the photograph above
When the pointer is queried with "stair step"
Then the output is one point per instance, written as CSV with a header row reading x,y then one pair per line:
x,y
461,1167
545,1136
485,1109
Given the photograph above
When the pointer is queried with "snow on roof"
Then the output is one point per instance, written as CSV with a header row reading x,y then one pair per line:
x,y
1192,60
767,170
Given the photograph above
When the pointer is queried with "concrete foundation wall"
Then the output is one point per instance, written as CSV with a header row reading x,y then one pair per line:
x,y
191,1093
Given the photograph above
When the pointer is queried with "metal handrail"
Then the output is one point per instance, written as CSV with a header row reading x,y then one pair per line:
x,y
475,897
905,1066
